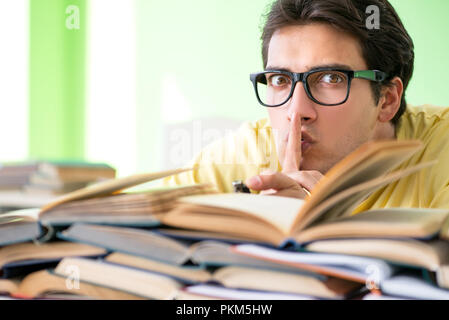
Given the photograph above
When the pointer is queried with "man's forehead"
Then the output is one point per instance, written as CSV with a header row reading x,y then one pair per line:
x,y
311,67
304,47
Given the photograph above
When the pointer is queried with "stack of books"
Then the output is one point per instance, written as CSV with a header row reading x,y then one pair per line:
x,y
33,241
34,183
58,178
191,242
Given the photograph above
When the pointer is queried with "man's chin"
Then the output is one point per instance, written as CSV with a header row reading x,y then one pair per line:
x,y
315,166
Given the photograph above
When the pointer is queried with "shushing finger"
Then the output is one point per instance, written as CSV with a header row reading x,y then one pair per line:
x,y
293,156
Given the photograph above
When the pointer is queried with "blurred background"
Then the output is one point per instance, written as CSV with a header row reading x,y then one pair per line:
x,y
143,84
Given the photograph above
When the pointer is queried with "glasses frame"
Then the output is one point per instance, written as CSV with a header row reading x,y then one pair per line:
x,y
372,75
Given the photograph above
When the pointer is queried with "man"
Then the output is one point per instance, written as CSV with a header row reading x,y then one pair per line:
x,y
330,84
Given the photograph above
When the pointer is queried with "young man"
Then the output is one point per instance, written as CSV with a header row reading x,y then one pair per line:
x,y
331,83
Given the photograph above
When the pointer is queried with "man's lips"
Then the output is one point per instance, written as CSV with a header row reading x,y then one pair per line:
x,y
305,137
306,141
305,146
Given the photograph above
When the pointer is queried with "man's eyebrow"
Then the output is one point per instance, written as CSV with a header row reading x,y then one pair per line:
x,y
330,65
277,68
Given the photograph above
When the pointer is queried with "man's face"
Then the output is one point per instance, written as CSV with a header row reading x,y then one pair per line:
x,y
329,133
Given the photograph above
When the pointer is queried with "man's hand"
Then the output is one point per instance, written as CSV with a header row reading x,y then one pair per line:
x,y
290,182
294,184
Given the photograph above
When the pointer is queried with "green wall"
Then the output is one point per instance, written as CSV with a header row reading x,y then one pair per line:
x,y
56,80
212,46
208,47
428,25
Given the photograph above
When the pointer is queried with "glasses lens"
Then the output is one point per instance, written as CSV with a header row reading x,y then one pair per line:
x,y
273,88
328,87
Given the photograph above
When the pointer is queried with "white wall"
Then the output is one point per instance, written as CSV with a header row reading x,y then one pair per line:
x,y
14,37
111,83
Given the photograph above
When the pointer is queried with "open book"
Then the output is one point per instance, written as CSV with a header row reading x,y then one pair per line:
x,y
275,220
109,187
103,203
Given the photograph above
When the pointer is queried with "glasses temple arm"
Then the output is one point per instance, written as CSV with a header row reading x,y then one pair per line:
x,y
373,75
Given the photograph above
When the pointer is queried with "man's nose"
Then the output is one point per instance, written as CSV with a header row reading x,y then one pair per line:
x,y
302,104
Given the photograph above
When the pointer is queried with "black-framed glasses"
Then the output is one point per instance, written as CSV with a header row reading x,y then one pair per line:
x,y
325,86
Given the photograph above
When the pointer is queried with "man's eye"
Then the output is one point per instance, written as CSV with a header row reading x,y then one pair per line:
x,y
332,78
278,80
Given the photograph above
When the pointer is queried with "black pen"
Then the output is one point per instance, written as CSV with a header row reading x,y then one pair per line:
x,y
240,187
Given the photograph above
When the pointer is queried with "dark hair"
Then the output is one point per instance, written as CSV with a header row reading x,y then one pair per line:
x,y
388,48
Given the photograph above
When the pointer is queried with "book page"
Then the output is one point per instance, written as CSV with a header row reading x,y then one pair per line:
x,y
109,187
343,203
429,255
281,281
139,242
444,231
345,266
379,223
189,273
368,162
30,214
278,211
411,287
131,280
324,201
206,291
442,276
52,250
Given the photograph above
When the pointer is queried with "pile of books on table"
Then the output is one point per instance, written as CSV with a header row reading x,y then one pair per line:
x,y
35,183
191,242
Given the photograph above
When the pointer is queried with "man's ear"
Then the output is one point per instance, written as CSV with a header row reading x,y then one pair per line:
x,y
390,100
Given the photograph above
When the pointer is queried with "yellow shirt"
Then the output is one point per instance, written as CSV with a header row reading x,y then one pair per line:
x,y
246,153
428,188
251,150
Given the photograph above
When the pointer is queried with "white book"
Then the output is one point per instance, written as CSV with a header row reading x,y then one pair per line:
x,y
413,288
205,291
361,269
